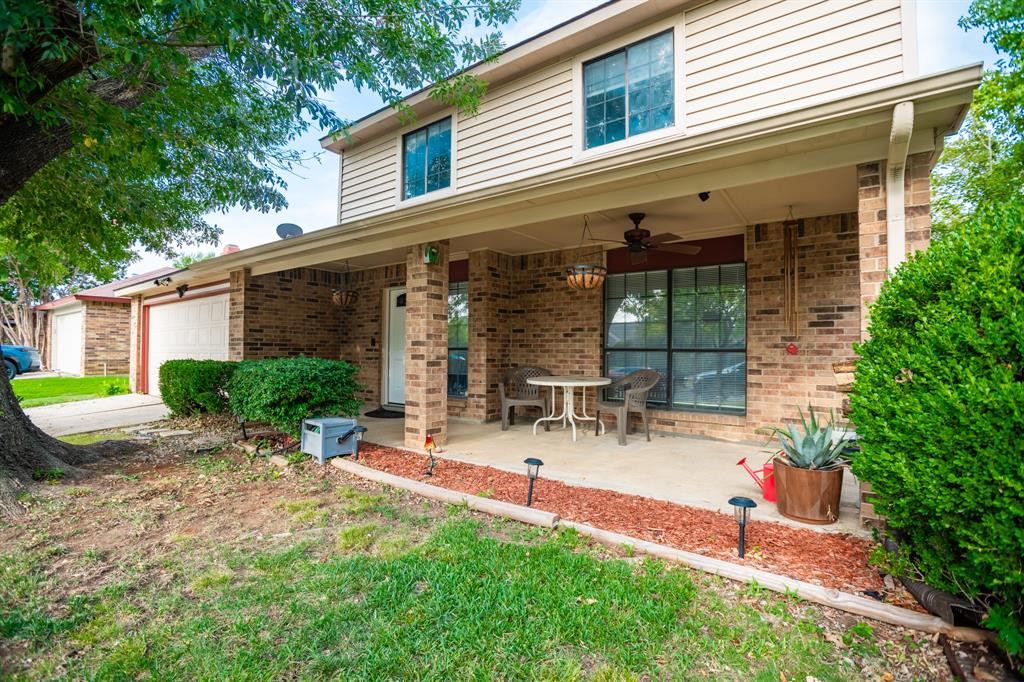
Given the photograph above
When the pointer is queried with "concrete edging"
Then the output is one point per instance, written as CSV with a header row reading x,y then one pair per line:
x,y
534,517
861,606
851,603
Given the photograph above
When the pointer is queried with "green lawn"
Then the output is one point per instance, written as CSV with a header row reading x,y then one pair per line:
x,y
221,567
37,392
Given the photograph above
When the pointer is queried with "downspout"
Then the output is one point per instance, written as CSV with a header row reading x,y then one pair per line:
x,y
896,167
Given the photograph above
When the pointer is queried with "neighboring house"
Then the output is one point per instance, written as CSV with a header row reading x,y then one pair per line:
x,y
88,332
791,141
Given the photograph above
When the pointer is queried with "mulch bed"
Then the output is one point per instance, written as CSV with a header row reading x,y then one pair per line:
x,y
833,560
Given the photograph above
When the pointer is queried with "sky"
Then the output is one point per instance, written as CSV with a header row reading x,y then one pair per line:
x,y
312,190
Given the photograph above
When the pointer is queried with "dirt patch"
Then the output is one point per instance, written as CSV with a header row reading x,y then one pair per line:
x,y
833,560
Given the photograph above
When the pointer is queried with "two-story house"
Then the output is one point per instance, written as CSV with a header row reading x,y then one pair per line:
x,y
779,151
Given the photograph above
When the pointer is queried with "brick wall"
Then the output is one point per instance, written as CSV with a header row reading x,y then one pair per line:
x,y
362,330
490,300
551,325
105,338
872,220
284,314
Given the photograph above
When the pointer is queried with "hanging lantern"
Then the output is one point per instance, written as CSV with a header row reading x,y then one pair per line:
x,y
585,276
345,296
581,276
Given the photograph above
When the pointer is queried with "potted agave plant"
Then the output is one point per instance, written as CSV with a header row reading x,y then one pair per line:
x,y
809,469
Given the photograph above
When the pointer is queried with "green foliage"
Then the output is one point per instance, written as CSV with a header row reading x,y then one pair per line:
x,y
284,391
53,390
195,386
48,475
984,164
816,447
158,113
114,388
186,259
938,401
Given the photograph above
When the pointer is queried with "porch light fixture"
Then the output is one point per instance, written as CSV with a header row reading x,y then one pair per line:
x,y
533,466
429,445
345,296
582,276
430,255
741,508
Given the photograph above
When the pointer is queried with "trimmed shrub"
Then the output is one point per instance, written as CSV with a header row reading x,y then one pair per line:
x,y
938,402
193,386
285,391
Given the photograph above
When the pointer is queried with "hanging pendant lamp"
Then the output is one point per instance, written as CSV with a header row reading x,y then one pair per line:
x,y
582,276
345,296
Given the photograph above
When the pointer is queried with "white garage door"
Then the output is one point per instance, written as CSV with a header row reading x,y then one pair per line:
x,y
67,342
196,330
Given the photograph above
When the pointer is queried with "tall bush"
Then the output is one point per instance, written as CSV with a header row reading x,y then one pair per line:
x,y
938,402
282,392
194,386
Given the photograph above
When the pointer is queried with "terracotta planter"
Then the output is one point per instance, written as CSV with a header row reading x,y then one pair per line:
x,y
808,495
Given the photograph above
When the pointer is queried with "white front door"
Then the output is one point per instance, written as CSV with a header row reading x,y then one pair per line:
x,y
67,342
394,379
196,330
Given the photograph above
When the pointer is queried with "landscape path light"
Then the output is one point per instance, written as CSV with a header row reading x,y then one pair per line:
x,y
533,466
741,508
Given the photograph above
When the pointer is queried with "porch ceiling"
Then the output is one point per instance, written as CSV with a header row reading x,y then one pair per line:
x,y
727,212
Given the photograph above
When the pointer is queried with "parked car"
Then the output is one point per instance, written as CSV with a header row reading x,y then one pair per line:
x,y
19,359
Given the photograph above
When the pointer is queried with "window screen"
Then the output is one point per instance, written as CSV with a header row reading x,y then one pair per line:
x,y
427,159
629,92
458,339
688,324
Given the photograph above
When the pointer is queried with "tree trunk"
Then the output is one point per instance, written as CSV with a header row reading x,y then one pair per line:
x,y
26,450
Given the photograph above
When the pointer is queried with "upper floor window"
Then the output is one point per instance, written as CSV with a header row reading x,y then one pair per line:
x,y
629,92
427,159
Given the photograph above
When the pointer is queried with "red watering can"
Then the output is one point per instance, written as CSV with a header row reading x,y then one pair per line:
x,y
766,482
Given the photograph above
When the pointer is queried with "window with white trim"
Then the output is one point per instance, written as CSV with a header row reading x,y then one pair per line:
x,y
427,159
629,92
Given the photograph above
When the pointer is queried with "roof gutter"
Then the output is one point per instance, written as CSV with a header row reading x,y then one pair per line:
x,y
895,173
170,280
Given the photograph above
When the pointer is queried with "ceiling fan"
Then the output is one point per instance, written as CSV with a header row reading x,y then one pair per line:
x,y
639,241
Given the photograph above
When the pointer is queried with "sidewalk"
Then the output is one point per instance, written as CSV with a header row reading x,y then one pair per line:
x,y
98,414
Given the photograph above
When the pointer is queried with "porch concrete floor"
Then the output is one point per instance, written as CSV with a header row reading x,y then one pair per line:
x,y
699,472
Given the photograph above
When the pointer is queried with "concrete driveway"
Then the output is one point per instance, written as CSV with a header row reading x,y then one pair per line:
x,y
98,414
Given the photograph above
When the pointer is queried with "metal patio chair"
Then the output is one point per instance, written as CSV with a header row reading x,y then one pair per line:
x,y
514,391
635,387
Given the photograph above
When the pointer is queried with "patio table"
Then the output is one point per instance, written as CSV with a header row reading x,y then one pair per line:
x,y
569,384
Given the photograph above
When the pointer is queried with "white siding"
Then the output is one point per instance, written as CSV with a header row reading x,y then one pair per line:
x,y
369,178
753,58
521,128
742,60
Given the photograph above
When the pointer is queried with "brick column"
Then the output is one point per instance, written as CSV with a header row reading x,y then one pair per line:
x,y
426,346
237,285
873,225
871,233
134,344
490,285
